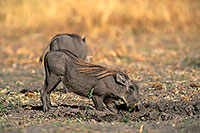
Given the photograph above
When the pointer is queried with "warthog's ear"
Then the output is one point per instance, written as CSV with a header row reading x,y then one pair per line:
x,y
120,79
84,39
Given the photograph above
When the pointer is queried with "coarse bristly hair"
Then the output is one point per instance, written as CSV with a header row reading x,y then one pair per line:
x,y
96,70
89,69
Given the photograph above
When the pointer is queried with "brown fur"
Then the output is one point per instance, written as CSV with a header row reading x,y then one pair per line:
x,y
96,70
91,69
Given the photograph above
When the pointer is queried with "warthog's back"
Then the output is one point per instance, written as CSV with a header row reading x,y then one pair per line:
x,y
72,42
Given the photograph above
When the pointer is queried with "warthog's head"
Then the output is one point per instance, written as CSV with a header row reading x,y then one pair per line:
x,y
129,90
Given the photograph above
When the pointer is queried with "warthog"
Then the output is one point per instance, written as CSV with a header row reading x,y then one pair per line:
x,y
71,42
80,77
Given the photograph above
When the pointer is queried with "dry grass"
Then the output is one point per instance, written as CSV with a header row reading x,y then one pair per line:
x,y
101,16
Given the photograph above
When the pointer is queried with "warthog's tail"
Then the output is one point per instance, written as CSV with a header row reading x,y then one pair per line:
x,y
41,57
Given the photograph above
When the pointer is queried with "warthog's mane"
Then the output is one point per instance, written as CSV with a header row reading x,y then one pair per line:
x,y
96,70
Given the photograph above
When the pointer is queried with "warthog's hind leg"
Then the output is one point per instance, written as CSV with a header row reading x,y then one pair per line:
x,y
50,84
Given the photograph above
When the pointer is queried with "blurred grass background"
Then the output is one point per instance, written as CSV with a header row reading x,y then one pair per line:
x,y
25,23
101,16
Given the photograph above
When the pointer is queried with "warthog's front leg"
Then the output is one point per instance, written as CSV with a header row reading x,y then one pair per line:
x,y
98,102
110,104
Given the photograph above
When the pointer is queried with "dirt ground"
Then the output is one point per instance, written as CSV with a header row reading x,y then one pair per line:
x,y
167,70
